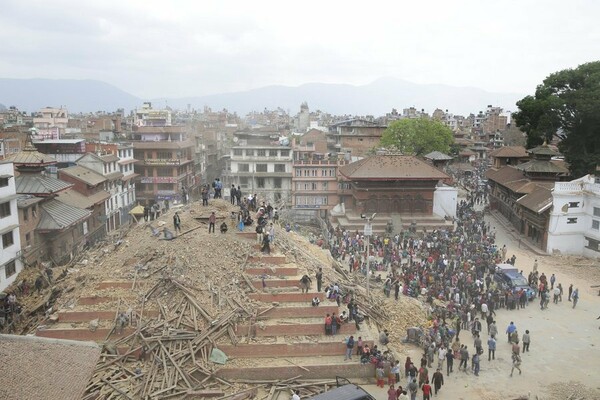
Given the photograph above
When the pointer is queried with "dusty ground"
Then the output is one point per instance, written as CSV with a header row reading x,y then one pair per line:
x,y
564,358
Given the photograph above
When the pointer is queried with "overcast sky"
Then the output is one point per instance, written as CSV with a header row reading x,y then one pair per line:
x,y
185,48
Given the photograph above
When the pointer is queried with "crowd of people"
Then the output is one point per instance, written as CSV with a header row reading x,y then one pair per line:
x,y
454,272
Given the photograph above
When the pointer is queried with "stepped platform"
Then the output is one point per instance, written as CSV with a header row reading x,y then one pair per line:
x,y
277,283
294,329
286,297
297,312
277,350
273,271
116,285
312,370
95,300
277,260
353,222
86,316
82,334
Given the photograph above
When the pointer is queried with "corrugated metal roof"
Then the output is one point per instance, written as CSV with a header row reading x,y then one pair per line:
x,y
39,184
109,158
84,174
74,198
25,200
57,215
391,167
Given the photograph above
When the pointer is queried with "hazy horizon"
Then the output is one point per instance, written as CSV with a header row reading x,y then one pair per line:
x,y
152,49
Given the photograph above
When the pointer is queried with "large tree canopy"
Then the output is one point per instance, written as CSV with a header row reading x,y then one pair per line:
x,y
417,136
566,104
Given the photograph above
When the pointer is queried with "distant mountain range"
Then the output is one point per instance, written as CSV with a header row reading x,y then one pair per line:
x,y
376,98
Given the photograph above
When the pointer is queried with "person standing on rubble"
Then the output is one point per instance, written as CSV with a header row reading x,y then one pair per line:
x,y
177,222
211,222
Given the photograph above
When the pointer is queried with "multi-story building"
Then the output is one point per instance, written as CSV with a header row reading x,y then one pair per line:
x,y
165,155
65,151
354,137
50,229
106,165
574,226
10,260
51,122
261,165
315,173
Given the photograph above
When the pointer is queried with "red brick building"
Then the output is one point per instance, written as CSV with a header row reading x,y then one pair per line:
x,y
392,184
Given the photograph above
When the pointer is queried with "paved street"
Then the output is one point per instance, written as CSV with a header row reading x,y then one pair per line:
x,y
565,344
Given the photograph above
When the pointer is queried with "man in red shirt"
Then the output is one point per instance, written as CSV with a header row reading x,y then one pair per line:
x,y
426,388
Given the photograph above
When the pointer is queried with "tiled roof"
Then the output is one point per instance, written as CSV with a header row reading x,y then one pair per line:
x,y
437,156
543,150
467,153
542,166
57,215
510,152
39,184
40,368
73,198
84,174
391,167
504,174
538,200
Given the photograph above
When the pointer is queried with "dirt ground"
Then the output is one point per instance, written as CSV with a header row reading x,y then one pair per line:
x,y
563,362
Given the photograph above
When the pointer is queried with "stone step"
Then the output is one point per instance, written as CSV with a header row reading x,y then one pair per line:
x,y
273,271
286,297
276,260
85,316
94,300
82,334
348,369
275,283
298,312
294,329
115,285
247,235
287,350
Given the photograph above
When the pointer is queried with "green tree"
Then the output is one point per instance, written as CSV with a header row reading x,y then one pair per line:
x,y
567,105
417,136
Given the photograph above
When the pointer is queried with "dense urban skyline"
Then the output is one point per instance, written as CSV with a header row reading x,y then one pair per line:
x,y
154,49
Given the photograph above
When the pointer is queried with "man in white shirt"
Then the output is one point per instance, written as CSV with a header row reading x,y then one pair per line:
x,y
484,310
296,395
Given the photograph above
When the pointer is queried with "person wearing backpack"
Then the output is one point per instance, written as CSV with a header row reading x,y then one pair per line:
x,y
259,234
349,347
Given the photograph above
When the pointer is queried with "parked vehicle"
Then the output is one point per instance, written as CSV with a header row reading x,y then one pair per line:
x,y
507,276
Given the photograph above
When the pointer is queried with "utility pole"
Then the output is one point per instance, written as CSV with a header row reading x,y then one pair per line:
x,y
368,231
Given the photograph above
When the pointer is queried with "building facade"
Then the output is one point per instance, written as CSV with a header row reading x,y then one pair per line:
x,y
10,256
165,158
260,164
574,226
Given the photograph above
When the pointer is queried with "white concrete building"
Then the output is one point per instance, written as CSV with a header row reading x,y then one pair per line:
x,y
127,199
10,256
259,164
574,226
107,166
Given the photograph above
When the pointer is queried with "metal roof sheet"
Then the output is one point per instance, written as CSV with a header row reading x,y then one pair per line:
x,y
84,174
72,197
39,184
57,215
